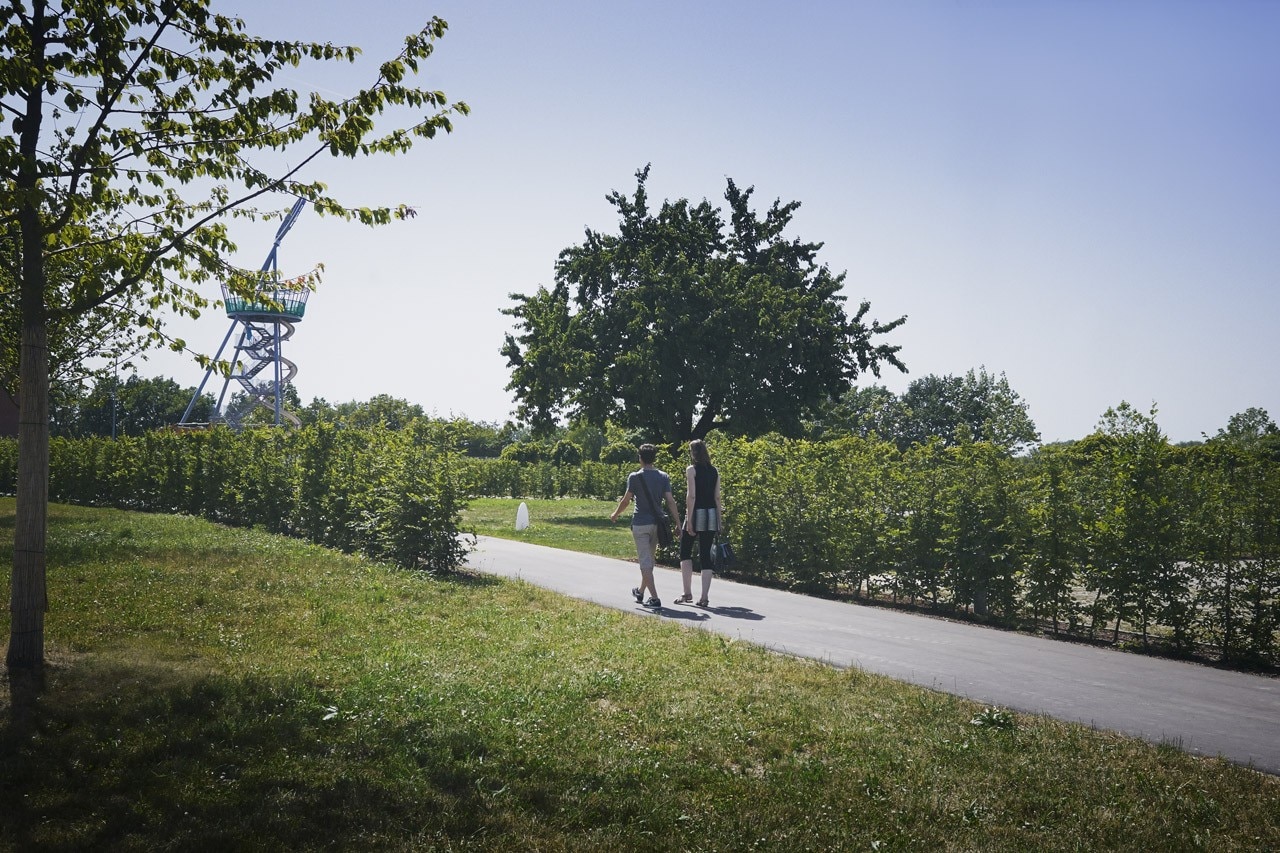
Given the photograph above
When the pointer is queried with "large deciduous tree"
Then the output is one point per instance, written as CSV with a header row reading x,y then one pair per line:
x,y
1251,428
983,404
132,132
866,411
681,323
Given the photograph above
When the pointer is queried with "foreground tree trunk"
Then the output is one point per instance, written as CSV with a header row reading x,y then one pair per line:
x,y
28,597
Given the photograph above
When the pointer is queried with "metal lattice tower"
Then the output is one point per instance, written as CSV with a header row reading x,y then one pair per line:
x,y
264,322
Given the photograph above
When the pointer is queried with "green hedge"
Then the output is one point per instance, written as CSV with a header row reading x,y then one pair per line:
x,y
392,495
1114,537
509,478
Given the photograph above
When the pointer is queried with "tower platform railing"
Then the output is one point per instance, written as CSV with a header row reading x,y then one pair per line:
x,y
269,303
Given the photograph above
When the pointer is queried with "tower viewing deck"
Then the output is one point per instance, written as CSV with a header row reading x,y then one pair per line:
x,y
271,303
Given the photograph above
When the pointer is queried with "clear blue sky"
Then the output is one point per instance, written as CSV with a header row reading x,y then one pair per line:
x,y
1084,196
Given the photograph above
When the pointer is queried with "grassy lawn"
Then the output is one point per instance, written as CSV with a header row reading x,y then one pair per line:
x,y
215,689
572,523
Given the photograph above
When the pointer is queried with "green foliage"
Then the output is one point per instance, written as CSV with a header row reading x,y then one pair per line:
x,y
132,407
984,528
1248,427
545,479
589,438
395,495
523,451
411,513
382,410
995,718
1058,534
618,454
88,346
681,324
1135,562
250,410
485,439
1233,535
922,514
950,408
868,411
1175,547
565,452
116,107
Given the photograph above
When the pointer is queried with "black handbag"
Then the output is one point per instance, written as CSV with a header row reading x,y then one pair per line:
x,y
664,523
722,556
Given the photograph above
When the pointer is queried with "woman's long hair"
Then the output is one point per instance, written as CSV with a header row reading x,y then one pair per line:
x,y
699,453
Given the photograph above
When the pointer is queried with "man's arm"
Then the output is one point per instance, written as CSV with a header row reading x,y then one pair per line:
x,y
671,505
622,505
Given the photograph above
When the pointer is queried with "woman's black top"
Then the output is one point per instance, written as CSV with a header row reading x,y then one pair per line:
x,y
704,486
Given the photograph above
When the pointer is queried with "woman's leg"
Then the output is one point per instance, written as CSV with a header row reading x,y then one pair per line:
x,y
706,539
686,562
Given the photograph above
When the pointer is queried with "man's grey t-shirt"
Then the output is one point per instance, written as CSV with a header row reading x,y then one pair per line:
x,y
659,484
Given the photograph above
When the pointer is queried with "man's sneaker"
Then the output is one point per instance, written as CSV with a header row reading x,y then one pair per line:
x,y
653,602
638,594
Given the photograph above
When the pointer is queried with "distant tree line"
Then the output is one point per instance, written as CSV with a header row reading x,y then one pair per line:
x,y
932,406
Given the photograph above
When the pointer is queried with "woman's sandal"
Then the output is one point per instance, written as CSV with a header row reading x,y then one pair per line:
x,y
685,599
702,602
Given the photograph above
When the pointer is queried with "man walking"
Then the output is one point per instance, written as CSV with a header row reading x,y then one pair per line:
x,y
644,486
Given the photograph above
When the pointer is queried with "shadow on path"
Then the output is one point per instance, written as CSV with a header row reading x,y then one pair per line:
x,y
702,614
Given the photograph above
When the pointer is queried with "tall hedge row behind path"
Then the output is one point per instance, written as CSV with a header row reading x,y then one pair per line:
x,y
1119,536
1114,537
499,478
392,495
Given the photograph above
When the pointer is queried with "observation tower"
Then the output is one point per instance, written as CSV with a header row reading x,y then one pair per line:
x,y
264,322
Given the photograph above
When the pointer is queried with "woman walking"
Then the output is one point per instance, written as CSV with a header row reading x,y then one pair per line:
x,y
703,519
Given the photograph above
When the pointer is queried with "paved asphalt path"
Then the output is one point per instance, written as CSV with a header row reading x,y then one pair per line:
x,y
1200,709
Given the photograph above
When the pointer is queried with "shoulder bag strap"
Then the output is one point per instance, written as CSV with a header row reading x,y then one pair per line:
x,y
657,510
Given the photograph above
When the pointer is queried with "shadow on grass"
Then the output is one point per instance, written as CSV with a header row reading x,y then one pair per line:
x,y
143,757
468,578
585,521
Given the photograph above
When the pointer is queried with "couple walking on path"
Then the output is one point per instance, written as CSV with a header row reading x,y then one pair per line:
x,y
703,519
